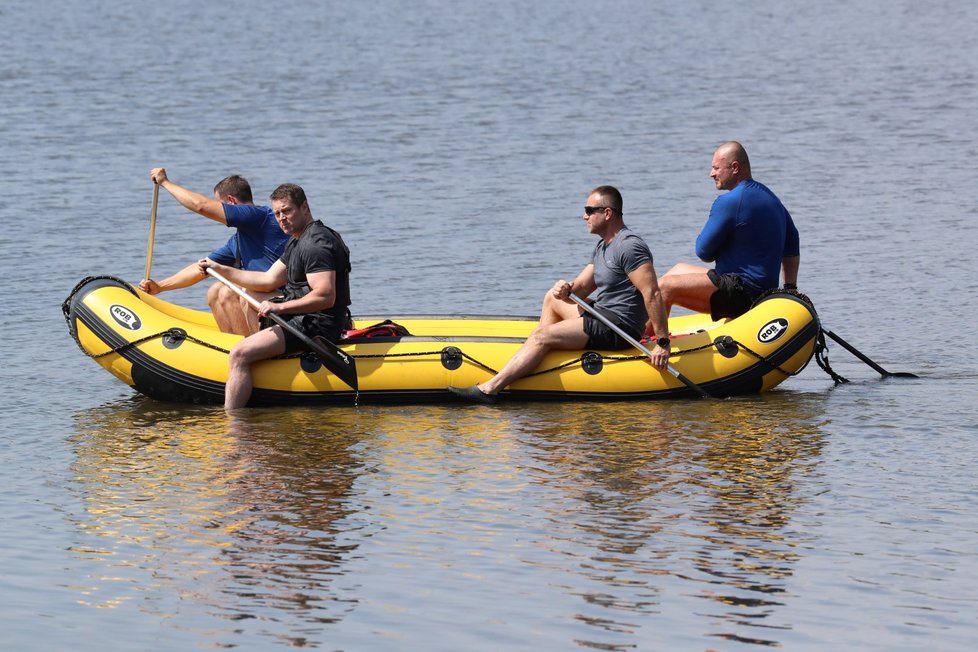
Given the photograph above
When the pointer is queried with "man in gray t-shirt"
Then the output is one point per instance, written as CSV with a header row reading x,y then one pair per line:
x,y
617,297
621,277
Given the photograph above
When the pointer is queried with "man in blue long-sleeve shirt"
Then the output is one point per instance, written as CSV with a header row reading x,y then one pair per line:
x,y
749,236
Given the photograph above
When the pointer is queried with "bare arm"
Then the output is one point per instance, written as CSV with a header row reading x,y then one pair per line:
x,y
186,277
194,201
321,296
267,281
643,278
789,266
582,286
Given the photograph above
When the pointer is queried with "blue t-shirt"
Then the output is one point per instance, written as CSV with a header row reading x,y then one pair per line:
x,y
748,232
615,292
260,238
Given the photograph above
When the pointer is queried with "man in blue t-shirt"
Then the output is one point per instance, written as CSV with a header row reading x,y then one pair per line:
x,y
258,242
749,235
621,278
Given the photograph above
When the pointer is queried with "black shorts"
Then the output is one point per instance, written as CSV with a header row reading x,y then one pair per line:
x,y
599,336
309,324
732,297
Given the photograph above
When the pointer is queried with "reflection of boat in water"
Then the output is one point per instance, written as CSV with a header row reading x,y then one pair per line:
x,y
306,524
172,353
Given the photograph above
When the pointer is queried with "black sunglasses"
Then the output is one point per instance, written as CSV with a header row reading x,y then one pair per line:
x,y
591,210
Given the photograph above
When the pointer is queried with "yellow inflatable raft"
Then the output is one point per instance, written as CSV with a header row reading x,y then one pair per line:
x,y
172,353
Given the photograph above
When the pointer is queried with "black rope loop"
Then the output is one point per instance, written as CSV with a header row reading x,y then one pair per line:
x,y
763,359
822,358
66,304
482,365
175,333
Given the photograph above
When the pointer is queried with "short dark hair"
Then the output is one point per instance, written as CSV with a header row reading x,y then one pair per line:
x,y
290,191
236,186
611,195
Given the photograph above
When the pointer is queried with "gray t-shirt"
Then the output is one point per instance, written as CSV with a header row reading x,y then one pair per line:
x,y
616,297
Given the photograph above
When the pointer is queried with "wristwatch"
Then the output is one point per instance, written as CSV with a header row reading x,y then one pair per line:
x,y
790,286
663,342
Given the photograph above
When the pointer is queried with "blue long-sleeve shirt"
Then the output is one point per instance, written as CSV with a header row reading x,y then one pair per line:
x,y
748,232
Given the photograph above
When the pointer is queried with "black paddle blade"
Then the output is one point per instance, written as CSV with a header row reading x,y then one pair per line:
x,y
880,370
340,363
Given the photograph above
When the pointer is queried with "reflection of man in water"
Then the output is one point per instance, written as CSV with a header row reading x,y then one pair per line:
x,y
237,517
291,491
712,507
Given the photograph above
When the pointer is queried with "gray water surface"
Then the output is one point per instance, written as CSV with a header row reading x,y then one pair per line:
x,y
453,145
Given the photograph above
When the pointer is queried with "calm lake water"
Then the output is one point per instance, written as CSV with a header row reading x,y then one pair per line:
x,y
453,144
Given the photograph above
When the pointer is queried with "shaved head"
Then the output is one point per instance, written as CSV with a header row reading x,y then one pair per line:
x,y
734,151
730,165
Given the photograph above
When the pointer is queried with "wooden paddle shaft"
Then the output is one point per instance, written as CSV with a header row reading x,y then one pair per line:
x,y
152,231
233,287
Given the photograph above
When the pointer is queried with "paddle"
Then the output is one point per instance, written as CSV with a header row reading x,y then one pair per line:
x,y
152,230
851,349
341,364
638,345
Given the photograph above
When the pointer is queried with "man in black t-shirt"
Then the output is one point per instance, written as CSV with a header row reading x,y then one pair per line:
x,y
315,269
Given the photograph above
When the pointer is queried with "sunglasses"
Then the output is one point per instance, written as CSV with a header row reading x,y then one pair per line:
x,y
591,210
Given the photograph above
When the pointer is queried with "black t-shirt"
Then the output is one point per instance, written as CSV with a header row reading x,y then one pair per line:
x,y
318,249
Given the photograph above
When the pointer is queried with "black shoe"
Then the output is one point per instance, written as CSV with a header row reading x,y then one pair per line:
x,y
474,394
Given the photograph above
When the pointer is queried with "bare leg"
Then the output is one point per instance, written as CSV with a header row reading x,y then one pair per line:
x,y
687,286
567,334
686,268
225,305
554,310
262,345
250,315
232,313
